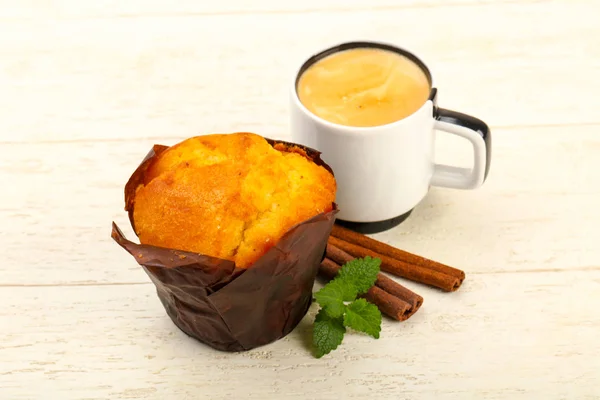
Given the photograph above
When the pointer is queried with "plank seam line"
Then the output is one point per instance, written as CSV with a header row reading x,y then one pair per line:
x,y
166,138
99,284
281,12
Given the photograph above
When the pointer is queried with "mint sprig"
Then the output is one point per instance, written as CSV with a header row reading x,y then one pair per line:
x,y
340,309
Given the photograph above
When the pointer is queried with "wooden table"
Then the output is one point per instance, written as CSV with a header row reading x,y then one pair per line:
x,y
87,87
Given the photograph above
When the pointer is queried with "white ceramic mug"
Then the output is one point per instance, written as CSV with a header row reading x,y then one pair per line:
x,y
383,172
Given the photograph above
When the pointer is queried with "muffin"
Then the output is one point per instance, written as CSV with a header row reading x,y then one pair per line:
x,y
232,229
230,196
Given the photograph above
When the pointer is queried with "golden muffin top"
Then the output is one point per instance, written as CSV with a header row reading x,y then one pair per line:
x,y
231,196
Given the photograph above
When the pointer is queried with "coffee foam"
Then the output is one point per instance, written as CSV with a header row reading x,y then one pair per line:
x,y
363,87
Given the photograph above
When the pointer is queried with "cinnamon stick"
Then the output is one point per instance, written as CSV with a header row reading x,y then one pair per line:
x,y
387,303
383,282
447,281
385,249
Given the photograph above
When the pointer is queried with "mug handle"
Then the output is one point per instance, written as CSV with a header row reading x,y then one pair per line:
x,y
475,131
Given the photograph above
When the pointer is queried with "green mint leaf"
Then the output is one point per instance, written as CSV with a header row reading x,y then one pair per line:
x,y
360,273
332,296
328,333
364,317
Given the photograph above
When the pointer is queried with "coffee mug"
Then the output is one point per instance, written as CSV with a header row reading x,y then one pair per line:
x,y
384,171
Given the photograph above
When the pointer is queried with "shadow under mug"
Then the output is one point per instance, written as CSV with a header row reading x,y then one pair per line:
x,y
383,172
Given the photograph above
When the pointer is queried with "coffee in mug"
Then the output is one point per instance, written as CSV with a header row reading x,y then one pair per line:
x,y
371,109
363,87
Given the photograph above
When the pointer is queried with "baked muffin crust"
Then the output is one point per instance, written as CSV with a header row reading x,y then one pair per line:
x,y
230,196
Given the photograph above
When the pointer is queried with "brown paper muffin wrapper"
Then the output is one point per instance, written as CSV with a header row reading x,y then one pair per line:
x,y
229,308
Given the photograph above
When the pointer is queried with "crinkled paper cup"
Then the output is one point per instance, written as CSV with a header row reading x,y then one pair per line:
x,y
230,308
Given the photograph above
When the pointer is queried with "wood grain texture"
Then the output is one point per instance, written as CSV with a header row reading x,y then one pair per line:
x,y
67,9
83,79
541,200
86,88
498,338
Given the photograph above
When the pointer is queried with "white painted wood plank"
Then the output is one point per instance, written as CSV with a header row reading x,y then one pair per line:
x,y
67,9
538,210
87,87
510,64
504,336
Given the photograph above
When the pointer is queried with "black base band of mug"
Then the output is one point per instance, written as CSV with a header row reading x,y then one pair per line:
x,y
373,227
